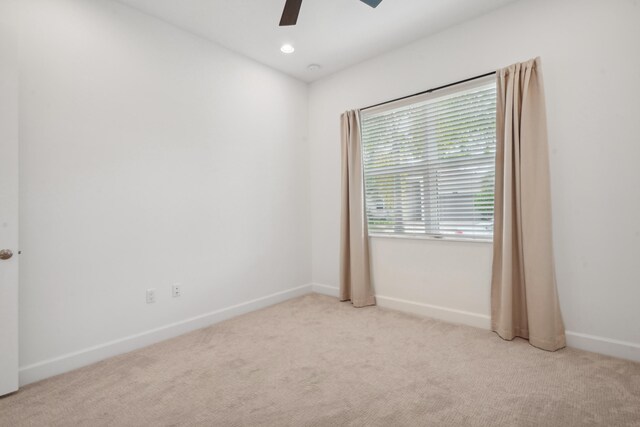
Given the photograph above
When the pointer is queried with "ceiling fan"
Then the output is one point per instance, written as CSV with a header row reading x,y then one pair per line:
x,y
292,9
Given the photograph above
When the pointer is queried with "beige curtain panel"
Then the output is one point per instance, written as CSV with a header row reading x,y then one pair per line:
x,y
524,299
355,277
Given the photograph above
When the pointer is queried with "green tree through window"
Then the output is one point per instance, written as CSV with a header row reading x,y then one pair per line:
x,y
429,165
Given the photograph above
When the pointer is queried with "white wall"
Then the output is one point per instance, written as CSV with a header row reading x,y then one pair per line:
x,y
591,64
149,156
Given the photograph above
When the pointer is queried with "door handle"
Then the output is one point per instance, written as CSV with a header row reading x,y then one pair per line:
x,y
5,254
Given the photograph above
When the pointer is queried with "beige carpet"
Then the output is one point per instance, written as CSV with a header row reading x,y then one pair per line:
x,y
314,361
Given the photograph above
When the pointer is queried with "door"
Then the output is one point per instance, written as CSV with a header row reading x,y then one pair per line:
x,y
8,209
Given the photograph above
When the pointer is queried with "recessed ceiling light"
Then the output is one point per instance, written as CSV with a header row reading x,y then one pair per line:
x,y
287,48
314,67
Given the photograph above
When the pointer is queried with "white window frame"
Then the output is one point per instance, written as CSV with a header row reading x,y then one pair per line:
x,y
484,81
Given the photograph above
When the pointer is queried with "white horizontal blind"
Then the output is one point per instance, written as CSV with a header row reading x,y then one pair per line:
x,y
429,166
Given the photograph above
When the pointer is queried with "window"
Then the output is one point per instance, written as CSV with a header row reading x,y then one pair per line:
x,y
429,164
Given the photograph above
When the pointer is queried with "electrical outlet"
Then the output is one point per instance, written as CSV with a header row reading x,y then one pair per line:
x,y
176,290
151,296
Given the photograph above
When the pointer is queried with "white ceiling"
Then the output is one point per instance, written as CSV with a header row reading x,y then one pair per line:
x,y
332,33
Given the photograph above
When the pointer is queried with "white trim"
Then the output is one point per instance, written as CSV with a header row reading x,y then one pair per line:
x,y
610,347
607,346
440,238
331,291
436,312
427,310
451,315
58,365
67,362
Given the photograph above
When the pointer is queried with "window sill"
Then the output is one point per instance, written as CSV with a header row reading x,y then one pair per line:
x,y
426,237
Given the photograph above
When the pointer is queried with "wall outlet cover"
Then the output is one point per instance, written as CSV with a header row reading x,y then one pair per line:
x,y
151,296
176,290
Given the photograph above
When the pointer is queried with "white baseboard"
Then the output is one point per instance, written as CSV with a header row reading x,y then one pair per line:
x,y
427,310
331,291
602,345
48,368
607,346
436,312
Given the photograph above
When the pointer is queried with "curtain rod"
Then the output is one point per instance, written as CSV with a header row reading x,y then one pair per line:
x,y
430,90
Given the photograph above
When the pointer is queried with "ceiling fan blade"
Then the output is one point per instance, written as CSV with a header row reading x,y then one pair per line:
x,y
372,3
290,13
